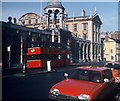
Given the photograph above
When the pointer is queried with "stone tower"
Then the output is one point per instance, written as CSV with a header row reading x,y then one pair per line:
x,y
53,11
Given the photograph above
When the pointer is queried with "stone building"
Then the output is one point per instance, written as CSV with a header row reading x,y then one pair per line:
x,y
30,20
112,47
85,29
17,39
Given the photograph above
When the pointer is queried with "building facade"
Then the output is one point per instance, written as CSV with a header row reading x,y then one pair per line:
x,y
16,41
85,29
112,47
31,20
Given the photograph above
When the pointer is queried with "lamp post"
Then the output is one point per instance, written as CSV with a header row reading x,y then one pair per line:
x,y
9,56
23,51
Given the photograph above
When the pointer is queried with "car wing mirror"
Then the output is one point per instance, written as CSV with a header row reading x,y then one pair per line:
x,y
106,80
66,75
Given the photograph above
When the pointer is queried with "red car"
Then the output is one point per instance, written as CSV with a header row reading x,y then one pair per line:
x,y
115,67
85,83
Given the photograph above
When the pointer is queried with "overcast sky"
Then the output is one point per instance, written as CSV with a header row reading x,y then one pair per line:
x,y
108,11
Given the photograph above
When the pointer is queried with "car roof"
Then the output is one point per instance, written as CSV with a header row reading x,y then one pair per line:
x,y
94,68
113,62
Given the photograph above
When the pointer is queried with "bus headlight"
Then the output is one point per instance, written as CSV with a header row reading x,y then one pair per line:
x,y
84,97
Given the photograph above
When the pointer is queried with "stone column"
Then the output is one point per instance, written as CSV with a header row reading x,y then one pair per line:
x,y
96,51
53,33
96,34
83,51
58,36
91,38
99,34
99,53
55,16
61,20
87,51
65,19
54,26
89,55
47,20
93,51
85,46
80,52
54,20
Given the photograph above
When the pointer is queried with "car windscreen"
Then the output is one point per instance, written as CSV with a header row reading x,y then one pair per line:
x,y
87,75
116,66
109,65
113,65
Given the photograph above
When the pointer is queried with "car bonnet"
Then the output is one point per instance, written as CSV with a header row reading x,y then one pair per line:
x,y
73,87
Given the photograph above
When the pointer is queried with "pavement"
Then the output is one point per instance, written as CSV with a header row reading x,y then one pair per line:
x,y
20,72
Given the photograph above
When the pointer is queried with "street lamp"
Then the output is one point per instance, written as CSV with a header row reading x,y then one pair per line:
x,y
9,56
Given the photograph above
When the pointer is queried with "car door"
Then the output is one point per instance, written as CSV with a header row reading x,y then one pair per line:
x,y
109,87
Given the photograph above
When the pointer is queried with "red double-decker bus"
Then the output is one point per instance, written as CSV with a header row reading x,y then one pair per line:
x,y
37,56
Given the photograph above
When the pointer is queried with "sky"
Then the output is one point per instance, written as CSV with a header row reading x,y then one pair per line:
x,y
108,11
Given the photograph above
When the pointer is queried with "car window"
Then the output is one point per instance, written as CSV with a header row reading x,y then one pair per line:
x,y
107,74
109,65
116,66
113,65
87,75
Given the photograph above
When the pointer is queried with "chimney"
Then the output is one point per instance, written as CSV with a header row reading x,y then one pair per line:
x,y
95,11
90,14
83,12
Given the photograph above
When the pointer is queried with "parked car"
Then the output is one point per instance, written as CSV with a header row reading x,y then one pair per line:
x,y
115,67
85,83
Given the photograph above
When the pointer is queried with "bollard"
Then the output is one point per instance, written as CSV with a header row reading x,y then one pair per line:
x,y
48,65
